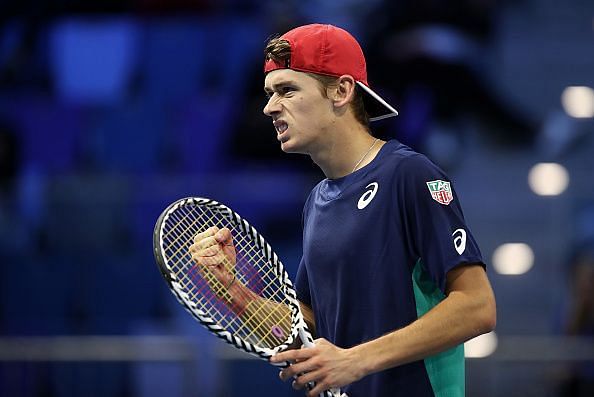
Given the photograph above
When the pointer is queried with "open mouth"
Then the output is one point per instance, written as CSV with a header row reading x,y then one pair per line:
x,y
280,126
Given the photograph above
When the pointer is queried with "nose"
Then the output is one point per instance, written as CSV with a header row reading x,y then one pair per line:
x,y
272,107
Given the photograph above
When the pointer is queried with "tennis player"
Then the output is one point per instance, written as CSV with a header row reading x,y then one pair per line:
x,y
390,270
391,279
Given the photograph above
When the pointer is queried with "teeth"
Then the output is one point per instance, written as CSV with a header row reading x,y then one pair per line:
x,y
282,127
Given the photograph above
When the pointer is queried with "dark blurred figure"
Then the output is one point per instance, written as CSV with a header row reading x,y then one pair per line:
x,y
430,56
579,381
14,235
10,157
22,68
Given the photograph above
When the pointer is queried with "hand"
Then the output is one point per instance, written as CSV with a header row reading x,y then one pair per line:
x,y
325,364
214,253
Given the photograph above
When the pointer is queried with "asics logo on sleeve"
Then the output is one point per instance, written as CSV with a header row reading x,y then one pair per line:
x,y
459,240
368,195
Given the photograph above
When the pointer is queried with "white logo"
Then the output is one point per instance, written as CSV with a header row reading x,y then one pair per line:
x,y
368,195
459,240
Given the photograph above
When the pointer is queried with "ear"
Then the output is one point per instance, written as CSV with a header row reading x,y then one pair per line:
x,y
344,91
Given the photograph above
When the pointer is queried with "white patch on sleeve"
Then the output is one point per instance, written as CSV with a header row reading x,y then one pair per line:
x,y
459,240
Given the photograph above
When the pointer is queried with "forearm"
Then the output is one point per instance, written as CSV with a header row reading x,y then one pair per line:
x,y
266,320
467,311
453,321
309,318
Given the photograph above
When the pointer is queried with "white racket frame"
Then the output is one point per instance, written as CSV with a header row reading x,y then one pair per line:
x,y
298,326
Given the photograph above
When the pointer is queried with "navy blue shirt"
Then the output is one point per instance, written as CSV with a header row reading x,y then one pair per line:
x,y
377,245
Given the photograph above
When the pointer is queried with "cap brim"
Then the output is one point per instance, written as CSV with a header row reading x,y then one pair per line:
x,y
377,108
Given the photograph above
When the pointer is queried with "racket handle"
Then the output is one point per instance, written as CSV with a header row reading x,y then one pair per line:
x,y
308,342
306,338
333,393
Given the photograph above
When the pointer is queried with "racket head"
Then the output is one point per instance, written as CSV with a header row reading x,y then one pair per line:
x,y
257,266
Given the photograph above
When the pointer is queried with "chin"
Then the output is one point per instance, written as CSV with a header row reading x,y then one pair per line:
x,y
288,147
293,146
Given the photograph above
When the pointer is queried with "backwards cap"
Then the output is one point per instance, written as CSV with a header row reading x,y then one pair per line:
x,y
332,51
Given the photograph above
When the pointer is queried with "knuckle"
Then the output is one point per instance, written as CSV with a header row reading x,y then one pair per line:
x,y
209,251
201,236
317,362
205,242
287,373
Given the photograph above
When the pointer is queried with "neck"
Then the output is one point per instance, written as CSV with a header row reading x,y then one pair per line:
x,y
345,148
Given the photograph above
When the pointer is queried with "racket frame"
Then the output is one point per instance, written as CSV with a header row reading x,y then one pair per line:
x,y
299,327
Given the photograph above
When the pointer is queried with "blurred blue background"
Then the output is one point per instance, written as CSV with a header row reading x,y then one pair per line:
x,y
110,110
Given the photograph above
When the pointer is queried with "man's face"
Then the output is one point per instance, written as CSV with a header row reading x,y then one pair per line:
x,y
301,114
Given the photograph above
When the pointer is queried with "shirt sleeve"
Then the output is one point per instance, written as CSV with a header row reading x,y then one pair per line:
x,y
302,284
433,220
302,280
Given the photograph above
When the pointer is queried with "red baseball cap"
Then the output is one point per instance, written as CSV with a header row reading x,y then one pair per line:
x,y
331,51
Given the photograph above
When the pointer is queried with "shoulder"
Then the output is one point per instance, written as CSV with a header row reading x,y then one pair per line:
x,y
407,164
315,191
312,197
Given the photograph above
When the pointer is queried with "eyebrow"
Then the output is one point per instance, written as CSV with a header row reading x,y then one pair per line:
x,y
279,84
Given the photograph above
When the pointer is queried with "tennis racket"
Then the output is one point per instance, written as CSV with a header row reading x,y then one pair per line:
x,y
239,290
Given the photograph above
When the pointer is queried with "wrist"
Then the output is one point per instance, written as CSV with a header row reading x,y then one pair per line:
x,y
240,296
230,283
360,361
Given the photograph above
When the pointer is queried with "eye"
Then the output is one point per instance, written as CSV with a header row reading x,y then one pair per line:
x,y
287,90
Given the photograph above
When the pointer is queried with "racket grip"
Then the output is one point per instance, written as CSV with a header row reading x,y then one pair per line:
x,y
308,342
333,393
327,393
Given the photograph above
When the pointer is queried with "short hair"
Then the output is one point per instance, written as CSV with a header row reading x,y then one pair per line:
x,y
279,51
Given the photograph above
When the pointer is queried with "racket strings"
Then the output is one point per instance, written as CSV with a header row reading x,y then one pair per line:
x,y
259,320
251,268
266,313
190,274
178,238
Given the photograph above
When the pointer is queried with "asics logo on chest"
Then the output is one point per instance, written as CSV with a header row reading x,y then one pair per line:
x,y
368,195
